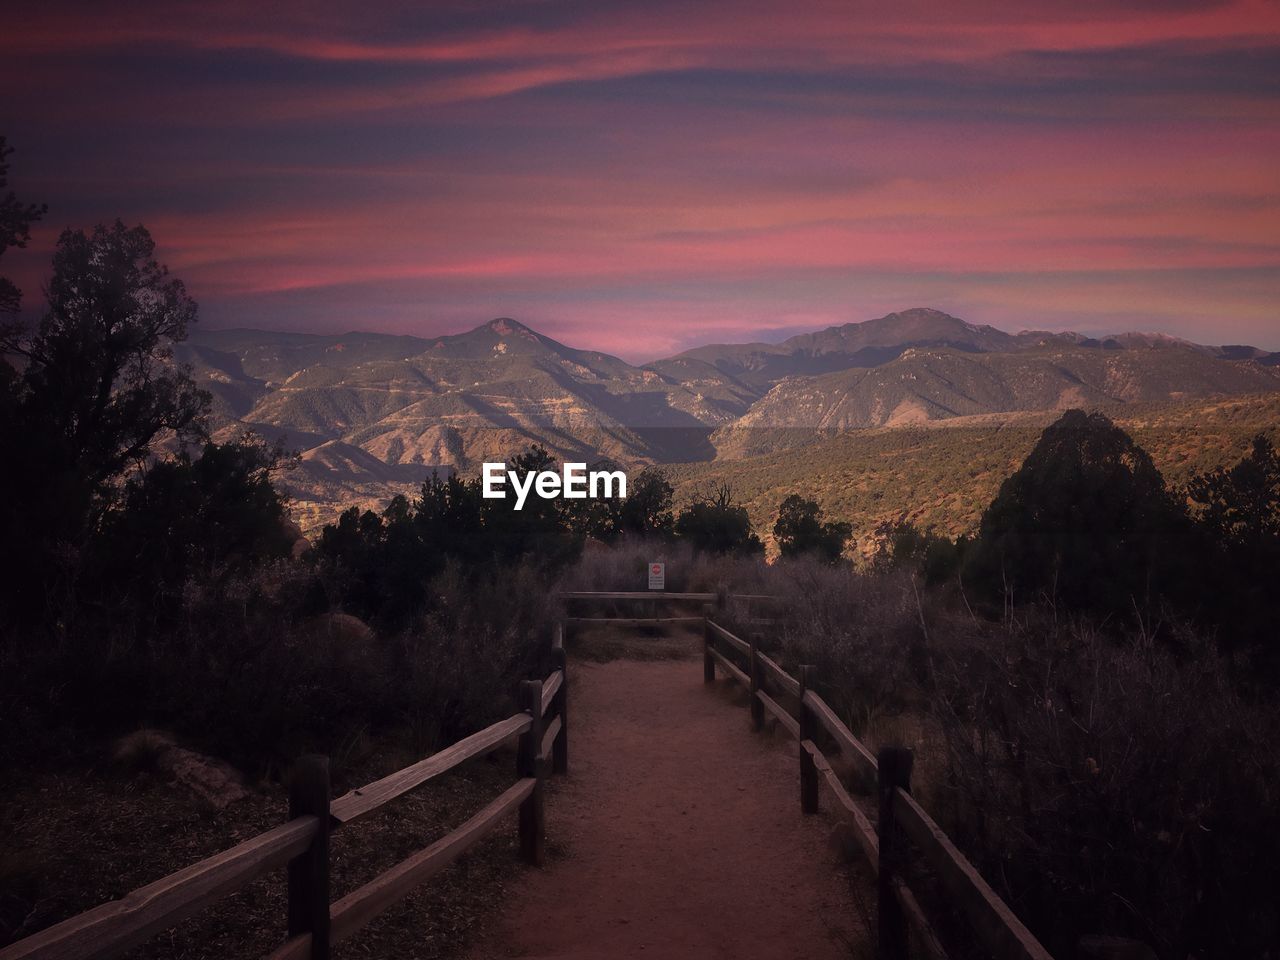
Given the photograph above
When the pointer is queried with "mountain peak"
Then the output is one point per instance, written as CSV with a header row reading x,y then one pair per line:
x,y
927,314
918,326
501,336
506,327
925,320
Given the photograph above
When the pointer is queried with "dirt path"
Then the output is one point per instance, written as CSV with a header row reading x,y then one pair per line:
x,y
681,834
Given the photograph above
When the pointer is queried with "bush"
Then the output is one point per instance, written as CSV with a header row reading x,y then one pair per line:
x,y
1102,782
904,546
209,518
1085,521
377,565
245,676
1237,512
714,524
800,531
860,630
1104,786
462,661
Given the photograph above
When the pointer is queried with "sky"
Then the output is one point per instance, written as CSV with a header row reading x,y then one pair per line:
x,y
647,176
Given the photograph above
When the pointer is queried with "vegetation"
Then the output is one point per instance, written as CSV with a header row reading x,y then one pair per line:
x,y
1086,520
940,477
157,584
800,531
714,523
1103,782
93,396
1238,512
16,217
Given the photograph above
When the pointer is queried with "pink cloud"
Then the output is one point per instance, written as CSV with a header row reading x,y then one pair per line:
x,y
647,196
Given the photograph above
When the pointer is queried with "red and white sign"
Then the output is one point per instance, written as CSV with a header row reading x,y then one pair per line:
x,y
657,576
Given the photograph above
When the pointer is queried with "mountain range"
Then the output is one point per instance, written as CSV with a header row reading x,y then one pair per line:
x,y
375,414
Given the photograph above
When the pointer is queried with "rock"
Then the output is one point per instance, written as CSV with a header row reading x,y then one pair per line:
x,y
216,782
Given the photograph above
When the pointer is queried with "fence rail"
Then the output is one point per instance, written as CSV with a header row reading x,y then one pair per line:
x,y
542,726
720,599
302,844
902,821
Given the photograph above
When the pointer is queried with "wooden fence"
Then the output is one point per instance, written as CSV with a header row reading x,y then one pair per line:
x,y
901,822
301,845
903,828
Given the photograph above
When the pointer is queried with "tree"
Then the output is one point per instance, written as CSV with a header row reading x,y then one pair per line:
x,y
800,531
16,218
903,545
1240,506
1237,512
98,376
543,530
380,566
211,517
96,391
715,524
1085,520
646,510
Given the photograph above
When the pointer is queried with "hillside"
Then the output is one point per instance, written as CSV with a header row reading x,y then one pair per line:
x,y
924,384
942,475
373,414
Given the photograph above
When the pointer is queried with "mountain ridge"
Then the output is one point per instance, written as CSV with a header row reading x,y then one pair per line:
x,y
454,401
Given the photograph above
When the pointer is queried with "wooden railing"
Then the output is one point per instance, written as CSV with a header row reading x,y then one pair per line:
x,y
302,845
707,602
902,824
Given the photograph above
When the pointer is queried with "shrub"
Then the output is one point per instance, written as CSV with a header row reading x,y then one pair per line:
x,y
713,523
1104,786
1085,520
904,546
1101,781
1237,512
210,517
800,530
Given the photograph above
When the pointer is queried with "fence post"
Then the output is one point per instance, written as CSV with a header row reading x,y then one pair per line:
x,y
708,663
560,747
757,708
530,764
808,730
309,871
894,766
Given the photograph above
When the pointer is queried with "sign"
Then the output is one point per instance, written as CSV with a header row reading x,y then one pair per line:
x,y
657,576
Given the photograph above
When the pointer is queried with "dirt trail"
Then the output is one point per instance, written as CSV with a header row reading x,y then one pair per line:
x,y
681,833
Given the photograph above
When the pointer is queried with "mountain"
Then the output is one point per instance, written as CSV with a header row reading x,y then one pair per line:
x,y
852,345
449,402
374,414
937,383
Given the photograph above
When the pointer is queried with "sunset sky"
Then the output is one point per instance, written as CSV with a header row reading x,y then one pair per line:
x,y
642,177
